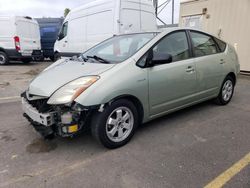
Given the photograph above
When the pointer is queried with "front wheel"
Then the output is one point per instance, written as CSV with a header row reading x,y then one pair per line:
x,y
4,60
52,58
115,126
56,57
226,92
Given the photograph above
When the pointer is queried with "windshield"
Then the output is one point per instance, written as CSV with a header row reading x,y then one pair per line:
x,y
119,48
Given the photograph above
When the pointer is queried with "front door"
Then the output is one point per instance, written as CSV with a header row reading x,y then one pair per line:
x,y
62,44
172,85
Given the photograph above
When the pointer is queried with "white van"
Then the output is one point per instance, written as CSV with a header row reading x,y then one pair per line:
x,y
19,39
96,21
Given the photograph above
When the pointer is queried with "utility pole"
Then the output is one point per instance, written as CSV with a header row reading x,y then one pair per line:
x,y
161,7
155,3
172,11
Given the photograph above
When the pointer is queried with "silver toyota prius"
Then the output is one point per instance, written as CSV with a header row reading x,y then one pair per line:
x,y
128,80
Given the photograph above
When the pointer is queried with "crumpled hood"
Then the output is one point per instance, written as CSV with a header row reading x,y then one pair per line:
x,y
62,72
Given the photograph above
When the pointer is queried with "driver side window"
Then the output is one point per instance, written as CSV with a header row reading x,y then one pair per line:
x,y
174,44
64,31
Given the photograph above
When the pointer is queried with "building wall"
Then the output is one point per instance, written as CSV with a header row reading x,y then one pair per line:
x,y
226,19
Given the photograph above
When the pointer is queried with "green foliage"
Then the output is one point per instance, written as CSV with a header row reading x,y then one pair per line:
x,y
66,11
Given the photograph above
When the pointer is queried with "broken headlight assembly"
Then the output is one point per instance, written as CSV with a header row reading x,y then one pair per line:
x,y
69,92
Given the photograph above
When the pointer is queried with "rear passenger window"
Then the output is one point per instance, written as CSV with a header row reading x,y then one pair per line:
x,y
203,44
175,44
222,45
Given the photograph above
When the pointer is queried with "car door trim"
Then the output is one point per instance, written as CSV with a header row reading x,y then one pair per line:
x,y
183,106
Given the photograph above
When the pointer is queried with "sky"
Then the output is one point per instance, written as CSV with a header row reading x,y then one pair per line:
x,y
55,8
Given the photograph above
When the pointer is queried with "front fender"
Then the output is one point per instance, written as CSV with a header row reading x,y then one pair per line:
x,y
122,80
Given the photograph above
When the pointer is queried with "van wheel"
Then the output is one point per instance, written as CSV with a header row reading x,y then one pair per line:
x,y
56,56
226,92
4,60
116,125
38,58
52,58
27,60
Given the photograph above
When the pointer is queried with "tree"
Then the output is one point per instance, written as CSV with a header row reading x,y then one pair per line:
x,y
66,11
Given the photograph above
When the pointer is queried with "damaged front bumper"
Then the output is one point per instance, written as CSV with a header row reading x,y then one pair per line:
x,y
46,119
61,120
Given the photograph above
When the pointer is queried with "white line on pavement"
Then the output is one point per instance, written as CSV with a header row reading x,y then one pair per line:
x,y
9,98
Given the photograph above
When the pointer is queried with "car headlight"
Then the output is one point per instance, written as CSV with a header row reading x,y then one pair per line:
x,y
69,92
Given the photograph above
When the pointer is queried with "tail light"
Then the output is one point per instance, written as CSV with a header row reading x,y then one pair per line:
x,y
17,43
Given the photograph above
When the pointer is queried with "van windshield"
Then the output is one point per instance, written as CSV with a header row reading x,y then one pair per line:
x,y
119,48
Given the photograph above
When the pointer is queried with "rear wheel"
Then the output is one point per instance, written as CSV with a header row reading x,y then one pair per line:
x,y
3,58
39,58
56,56
115,126
226,92
52,58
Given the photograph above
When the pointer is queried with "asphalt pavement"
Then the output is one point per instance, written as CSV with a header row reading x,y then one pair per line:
x,y
186,149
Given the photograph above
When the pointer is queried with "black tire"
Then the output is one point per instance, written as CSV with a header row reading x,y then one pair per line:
x,y
220,100
56,56
39,58
52,58
27,60
4,60
99,120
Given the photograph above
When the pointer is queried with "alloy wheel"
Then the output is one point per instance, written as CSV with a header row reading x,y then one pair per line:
x,y
119,124
2,59
227,90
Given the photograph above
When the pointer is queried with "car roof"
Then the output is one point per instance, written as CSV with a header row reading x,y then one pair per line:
x,y
167,30
164,30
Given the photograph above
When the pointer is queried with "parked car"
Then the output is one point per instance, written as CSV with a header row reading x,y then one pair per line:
x,y
128,80
49,29
96,21
19,39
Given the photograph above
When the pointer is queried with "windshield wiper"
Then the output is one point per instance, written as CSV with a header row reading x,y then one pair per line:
x,y
78,58
99,59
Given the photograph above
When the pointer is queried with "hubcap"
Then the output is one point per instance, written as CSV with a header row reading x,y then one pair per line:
x,y
119,124
227,90
2,59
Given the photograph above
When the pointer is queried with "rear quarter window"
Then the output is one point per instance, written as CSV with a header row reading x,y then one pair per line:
x,y
203,44
222,45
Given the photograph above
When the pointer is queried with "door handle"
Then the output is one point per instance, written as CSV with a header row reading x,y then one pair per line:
x,y
65,41
222,61
190,69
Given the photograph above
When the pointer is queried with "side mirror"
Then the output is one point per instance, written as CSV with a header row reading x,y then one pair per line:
x,y
60,36
161,58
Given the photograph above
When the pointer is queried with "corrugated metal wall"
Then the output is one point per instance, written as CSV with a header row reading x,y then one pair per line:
x,y
227,19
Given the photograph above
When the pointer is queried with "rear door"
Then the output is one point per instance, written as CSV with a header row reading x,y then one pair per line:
x,y
35,36
209,63
172,85
23,30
